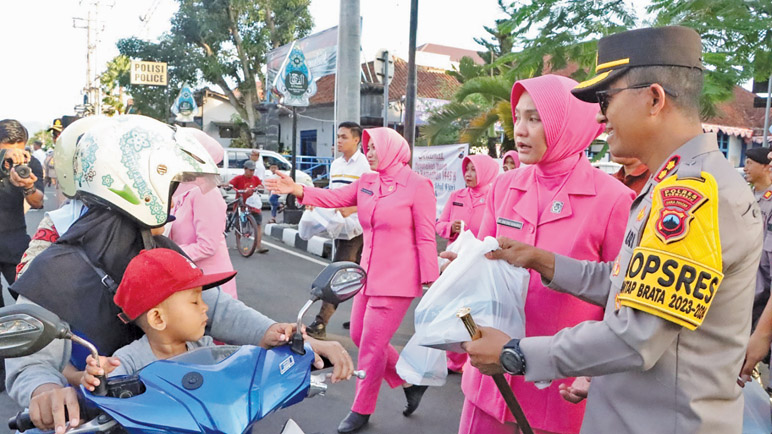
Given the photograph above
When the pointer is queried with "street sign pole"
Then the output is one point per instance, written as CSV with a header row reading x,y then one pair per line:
x,y
766,112
410,93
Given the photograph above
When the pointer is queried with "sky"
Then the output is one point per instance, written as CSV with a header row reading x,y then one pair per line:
x,y
44,67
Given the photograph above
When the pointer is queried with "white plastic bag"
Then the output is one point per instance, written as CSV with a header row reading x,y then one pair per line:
x,y
255,201
320,220
421,365
757,416
495,291
351,228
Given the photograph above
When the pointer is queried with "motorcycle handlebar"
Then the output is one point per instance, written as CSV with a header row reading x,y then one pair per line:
x,y
21,422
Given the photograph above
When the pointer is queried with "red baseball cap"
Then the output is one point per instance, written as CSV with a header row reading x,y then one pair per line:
x,y
153,275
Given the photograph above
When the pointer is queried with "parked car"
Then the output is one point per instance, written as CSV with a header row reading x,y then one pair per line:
x,y
233,164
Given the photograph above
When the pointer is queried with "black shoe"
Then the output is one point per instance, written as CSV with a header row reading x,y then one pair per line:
x,y
353,422
413,394
347,325
317,330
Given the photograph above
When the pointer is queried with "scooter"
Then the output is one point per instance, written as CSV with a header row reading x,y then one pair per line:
x,y
221,389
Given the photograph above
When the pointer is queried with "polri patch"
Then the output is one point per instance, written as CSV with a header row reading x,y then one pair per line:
x,y
678,206
510,223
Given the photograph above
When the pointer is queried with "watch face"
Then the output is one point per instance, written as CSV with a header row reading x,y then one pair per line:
x,y
511,362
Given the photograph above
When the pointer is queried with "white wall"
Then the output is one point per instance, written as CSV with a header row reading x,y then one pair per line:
x,y
735,150
317,118
216,110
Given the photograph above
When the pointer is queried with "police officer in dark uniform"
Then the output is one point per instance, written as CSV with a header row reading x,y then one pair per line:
x,y
677,300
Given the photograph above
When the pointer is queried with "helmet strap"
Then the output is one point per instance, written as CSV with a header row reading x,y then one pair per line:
x,y
147,239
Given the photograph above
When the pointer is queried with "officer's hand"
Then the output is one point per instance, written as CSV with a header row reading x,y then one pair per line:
x,y
277,334
514,252
577,391
46,408
343,366
24,183
758,347
484,352
450,256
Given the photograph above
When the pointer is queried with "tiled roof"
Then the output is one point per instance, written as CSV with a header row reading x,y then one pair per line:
x,y
455,53
431,83
739,112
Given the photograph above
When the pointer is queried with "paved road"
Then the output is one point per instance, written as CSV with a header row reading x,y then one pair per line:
x,y
277,284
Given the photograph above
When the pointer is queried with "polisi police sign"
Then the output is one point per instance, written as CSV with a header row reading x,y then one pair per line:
x,y
149,73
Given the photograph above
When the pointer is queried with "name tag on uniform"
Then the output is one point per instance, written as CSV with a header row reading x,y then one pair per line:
x,y
511,223
366,191
458,204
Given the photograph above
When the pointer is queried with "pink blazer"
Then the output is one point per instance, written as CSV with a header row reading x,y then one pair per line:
x,y
590,226
400,251
199,228
461,206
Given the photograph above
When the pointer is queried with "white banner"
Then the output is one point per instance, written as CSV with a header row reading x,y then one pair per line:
x,y
441,164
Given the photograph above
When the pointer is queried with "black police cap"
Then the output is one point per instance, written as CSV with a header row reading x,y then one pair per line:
x,y
759,155
653,46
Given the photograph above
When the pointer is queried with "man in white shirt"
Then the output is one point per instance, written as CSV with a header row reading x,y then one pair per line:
x,y
345,169
39,153
259,165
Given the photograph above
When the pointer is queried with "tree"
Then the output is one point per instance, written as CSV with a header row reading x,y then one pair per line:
x,y
44,137
736,39
223,42
567,34
114,81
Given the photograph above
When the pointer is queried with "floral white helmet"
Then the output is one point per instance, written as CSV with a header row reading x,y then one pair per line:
x,y
65,151
134,163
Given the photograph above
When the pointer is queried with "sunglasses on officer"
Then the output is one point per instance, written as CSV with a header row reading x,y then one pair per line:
x,y
604,96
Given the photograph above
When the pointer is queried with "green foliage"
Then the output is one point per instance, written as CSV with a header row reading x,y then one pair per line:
x,y
736,38
223,42
44,136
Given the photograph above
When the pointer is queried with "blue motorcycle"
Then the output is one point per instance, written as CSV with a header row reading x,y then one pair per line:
x,y
223,389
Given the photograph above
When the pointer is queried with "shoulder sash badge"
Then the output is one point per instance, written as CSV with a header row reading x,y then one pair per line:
x,y
676,270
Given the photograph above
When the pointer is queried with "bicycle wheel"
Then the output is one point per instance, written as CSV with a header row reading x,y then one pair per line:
x,y
246,236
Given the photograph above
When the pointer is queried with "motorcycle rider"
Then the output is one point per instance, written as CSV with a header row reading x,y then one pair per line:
x,y
125,170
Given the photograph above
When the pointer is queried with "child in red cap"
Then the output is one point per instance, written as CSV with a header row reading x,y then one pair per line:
x,y
161,293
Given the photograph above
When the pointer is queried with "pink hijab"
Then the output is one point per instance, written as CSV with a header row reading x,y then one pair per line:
x,y
392,149
487,169
569,124
513,155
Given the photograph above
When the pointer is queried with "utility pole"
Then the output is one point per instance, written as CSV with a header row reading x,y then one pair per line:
x,y
349,69
766,112
410,93
94,28
384,68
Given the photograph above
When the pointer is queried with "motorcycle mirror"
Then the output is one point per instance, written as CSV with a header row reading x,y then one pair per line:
x,y
338,282
26,328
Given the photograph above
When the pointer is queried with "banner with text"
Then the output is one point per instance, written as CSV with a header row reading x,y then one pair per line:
x,y
441,164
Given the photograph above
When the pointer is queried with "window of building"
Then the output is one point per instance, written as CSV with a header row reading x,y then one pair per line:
x,y
723,143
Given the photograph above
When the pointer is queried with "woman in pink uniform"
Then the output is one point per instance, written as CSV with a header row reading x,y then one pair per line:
x,y
467,205
396,208
559,203
510,161
199,223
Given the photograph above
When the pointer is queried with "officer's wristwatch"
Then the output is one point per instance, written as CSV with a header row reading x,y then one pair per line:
x,y
512,359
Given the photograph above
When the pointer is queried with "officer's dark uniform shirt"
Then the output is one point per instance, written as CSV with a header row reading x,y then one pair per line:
x,y
13,227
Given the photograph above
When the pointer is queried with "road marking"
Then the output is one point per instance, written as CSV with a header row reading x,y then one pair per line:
x,y
316,261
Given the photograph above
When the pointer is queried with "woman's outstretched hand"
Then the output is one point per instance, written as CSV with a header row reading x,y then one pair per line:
x,y
284,185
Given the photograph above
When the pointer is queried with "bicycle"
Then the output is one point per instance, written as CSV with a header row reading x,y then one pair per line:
x,y
240,220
